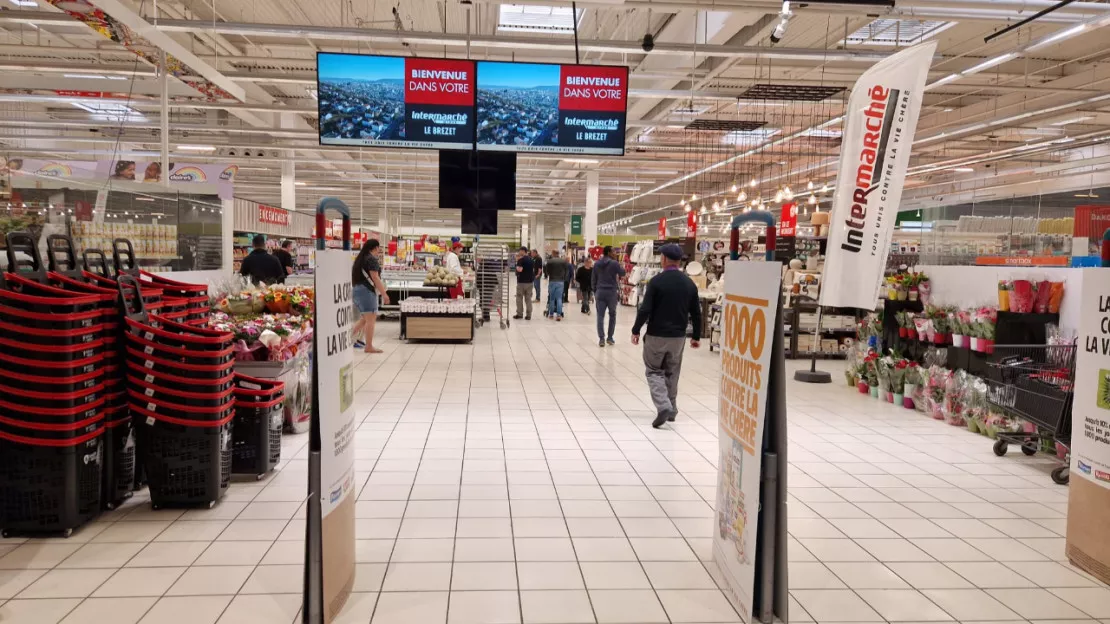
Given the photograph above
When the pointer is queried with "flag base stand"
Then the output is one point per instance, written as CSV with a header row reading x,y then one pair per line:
x,y
812,376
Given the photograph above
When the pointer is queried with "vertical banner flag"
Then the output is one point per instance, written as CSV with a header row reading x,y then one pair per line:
x,y
752,290
576,225
691,224
788,221
662,227
879,126
335,314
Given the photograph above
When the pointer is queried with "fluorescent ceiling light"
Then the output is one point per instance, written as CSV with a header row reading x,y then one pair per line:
x,y
531,210
737,137
110,111
146,199
963,169
1072,120
827,134
1088,195
947,79
24,3
520,214
1060,36
96,76
998,60
534,18
582,161
197,148
300,183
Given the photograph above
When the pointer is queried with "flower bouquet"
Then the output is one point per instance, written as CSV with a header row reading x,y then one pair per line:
x,y
939,317
960,321
983,328
955,393
910,384
266,337
977,406
898,380
935,388
885,371
1004,288
924,288
871,362
913,284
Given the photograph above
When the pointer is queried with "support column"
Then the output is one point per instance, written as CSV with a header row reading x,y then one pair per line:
x,y
589,222
538,233
288,168
524,233
164,121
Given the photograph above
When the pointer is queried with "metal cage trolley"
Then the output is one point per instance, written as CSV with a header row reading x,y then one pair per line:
x,y
493,275
1035,384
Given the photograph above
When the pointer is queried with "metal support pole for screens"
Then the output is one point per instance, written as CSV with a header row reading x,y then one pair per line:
x,y
313,591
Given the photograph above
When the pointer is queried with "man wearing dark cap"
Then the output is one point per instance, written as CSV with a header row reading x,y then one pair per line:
x,y
670,304
606,286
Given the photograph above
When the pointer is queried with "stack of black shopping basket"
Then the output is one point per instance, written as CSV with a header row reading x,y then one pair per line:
x,y
180,390
259,416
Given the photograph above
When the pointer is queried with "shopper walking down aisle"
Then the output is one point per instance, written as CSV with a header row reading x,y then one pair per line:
x,y
569,279
451,262
584,285
525,277
537,262
605,282
366,276
556,271
260,266
670,303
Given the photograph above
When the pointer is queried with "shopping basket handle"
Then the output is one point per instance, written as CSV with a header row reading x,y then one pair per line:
x,y
123,256
23,241
125,281
96,261
60,256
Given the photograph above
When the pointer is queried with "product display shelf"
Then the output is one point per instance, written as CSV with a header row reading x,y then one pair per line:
x,y
438,320
795,334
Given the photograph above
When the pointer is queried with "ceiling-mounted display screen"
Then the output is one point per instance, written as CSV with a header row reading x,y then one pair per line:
x,y
391,101
566,109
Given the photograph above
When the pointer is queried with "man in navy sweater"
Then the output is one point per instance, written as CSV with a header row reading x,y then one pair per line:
x,y
606,286
670,304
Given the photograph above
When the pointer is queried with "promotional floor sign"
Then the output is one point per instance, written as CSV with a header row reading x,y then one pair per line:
x,y
879,126
335,315
752,290
1089,496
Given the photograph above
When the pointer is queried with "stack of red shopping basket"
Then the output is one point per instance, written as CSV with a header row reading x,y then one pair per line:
x,y
52,398
119,440
180,392
259,416
190,301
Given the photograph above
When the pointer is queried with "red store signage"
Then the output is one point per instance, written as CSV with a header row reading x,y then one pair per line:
x,y
788,221
271,215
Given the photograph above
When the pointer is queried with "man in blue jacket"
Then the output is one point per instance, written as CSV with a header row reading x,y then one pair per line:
x,y
606,286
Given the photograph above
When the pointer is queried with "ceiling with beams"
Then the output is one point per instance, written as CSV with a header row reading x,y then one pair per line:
x,y
715,109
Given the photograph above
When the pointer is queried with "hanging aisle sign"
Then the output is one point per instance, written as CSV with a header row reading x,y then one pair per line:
x,y
330,530
879,127
752,290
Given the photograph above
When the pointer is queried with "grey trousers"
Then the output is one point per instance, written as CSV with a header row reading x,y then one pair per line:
x,y
524,299
663,361
606,300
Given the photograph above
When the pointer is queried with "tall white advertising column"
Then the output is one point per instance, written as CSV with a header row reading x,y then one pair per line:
x,y
330,526
589,223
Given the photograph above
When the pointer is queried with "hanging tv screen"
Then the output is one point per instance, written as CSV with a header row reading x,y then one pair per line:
x,y
392,101
564,109
485,180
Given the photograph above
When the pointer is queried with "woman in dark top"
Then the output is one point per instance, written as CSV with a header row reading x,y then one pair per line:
x,y
367,281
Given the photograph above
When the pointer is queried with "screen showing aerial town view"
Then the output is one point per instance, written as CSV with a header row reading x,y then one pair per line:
x,y
570,109
395,102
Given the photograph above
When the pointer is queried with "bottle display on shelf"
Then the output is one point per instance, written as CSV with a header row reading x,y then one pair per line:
x,y
152,242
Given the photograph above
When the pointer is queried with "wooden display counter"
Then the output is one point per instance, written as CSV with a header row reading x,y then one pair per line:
x,y
437,326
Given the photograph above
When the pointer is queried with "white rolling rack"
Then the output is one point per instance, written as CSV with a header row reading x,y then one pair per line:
x,y
493,269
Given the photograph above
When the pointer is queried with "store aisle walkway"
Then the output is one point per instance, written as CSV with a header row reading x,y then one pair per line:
x,y
518,479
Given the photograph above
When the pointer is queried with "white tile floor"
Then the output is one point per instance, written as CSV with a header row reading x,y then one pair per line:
x,y
519,480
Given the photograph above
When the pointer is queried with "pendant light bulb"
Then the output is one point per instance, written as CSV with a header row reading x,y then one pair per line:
x,y
682,202
742,197
755,202
812,200
778,196
809,185
733,187
694,197
754,183
687,207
